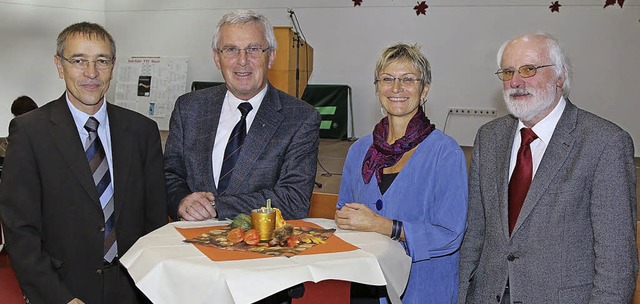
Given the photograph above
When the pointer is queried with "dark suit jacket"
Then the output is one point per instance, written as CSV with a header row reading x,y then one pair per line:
x,y
277,161
50,206
574,240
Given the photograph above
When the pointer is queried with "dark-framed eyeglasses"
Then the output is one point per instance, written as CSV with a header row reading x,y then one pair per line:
x,y
81,63
404,81
525,71
233,52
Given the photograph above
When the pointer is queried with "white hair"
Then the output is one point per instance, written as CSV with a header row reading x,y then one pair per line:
x,y
557,55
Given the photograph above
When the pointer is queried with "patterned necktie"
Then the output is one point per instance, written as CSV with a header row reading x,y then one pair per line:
x,y
232,151
102,179
521,177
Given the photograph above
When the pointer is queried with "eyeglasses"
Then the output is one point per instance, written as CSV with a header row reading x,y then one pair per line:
x,y
525,71
233,52
404,81
81,63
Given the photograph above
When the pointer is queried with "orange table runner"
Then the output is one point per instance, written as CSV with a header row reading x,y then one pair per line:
x,y
332,244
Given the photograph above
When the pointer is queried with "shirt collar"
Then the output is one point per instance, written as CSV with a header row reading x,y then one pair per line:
x,y
255,101
80,117
544,128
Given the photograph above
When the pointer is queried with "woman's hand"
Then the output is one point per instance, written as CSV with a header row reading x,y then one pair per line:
x,y
355,216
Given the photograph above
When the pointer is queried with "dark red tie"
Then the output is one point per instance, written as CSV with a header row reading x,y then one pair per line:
x,y
521,177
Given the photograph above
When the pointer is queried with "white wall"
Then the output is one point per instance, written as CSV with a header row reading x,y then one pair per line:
x,y
28,32
459,37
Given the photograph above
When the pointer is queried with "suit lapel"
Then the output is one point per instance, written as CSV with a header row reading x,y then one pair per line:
x,y
504,142
554,156
65,136
121,145
207,122
263,128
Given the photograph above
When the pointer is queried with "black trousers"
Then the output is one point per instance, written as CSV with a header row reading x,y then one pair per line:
x,y
118,287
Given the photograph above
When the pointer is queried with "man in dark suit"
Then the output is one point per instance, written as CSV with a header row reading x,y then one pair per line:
x,y
277,158
83,180
552,201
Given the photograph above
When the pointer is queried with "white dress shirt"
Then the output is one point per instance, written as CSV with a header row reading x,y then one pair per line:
x,y
544,129
229,117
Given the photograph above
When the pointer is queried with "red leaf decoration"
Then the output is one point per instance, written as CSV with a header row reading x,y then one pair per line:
x,y
613,2
356,2
421,8
555,6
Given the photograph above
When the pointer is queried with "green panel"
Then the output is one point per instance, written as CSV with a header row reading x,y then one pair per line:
x,y
331,101
325,124
327,110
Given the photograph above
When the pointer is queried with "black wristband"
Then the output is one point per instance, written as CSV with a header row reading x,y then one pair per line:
x,y
394,230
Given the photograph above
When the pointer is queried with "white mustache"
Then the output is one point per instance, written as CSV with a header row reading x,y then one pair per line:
x,y
512,92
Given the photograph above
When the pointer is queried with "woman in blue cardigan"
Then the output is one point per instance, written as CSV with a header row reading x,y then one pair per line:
x,y
408,180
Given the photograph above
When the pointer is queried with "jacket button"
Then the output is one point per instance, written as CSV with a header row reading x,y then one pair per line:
x,y
511,258
498,298
99,272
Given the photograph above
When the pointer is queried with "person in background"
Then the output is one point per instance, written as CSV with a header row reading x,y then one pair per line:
x,y
23,104
83,180
552,195
20,105
408,180
232,147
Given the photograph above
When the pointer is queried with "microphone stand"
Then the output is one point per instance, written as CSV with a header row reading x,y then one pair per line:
x,y
297,43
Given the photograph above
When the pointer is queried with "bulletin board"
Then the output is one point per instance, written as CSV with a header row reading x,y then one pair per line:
x,y
151,85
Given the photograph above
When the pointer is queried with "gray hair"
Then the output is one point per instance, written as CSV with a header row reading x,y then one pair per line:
x,y
87,30
243,17
405,52
557,55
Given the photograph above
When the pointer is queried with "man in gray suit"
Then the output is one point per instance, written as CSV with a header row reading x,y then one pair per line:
x,y
571,237
277,158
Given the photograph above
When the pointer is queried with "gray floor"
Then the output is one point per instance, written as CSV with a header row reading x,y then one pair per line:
x,y
330,163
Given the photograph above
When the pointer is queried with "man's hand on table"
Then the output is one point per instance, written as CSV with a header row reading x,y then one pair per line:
x,y
197,206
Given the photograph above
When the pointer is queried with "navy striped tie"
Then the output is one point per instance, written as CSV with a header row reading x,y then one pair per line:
x,y
232,151
102,179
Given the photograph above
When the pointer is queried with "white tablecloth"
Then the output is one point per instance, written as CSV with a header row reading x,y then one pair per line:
x,y
168,270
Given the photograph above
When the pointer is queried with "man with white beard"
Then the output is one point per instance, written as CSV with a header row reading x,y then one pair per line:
x,y
552,192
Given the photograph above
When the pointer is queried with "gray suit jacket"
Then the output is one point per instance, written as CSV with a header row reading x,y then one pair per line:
x,y
574,241
277,161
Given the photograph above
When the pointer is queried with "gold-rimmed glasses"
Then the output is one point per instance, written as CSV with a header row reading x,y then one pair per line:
x,y
525,71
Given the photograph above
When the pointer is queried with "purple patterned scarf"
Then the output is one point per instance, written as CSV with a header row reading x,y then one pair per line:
x,y
382,155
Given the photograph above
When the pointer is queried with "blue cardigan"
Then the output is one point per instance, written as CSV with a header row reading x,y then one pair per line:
x,y
429,196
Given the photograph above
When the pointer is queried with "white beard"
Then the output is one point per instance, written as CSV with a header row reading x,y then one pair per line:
x,y
538,101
